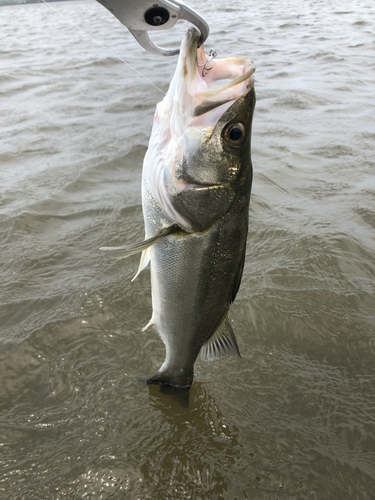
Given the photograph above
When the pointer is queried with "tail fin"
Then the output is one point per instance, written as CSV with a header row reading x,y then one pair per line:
x,y
173,378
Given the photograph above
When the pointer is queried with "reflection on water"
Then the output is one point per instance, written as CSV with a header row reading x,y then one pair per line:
x,y
192,450
294,417
200,448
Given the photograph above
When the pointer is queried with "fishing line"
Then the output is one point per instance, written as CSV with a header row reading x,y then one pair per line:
x,y
104,47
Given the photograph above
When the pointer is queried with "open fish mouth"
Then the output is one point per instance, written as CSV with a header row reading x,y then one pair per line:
x,y
209,83
202,88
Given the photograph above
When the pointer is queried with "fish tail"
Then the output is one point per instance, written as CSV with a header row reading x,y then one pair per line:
x,y
173,378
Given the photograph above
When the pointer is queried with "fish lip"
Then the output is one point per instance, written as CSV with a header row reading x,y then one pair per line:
x,y
189,52
194,32
192,39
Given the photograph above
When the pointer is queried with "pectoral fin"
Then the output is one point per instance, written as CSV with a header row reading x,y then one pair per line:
x,y
221,344
149,325
145,259
128,250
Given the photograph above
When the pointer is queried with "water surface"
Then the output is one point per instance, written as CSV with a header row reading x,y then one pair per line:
x,y
294,418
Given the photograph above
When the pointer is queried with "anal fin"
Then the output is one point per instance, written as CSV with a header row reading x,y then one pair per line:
x,y
221,344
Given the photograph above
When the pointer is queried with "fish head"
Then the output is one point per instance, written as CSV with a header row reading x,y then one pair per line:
x,y
200,144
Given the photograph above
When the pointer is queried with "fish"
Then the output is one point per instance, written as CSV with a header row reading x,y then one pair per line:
x,y
196,184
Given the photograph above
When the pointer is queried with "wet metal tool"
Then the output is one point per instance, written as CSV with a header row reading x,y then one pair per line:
x,y
141,16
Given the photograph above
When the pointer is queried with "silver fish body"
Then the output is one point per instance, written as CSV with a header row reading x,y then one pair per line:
x,y
196,187
196,272
195,277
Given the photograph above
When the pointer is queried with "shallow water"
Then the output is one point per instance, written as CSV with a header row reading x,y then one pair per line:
x,y
294,418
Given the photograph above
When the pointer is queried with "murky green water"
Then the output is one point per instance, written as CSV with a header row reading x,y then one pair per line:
x,y
294,418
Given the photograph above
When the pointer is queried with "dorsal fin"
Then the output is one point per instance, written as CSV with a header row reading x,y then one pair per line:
x,y
128,250
221,344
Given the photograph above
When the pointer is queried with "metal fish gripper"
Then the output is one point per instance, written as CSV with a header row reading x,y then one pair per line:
x,y
142,16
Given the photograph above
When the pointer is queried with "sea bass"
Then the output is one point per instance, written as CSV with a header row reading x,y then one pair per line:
x,y
196,185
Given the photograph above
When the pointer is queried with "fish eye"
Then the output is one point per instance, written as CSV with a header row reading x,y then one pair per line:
x,y
234,134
